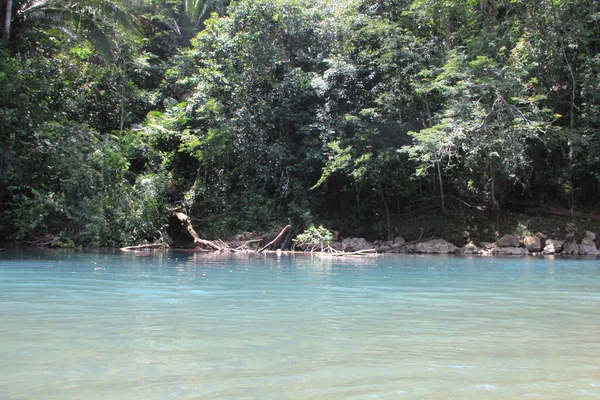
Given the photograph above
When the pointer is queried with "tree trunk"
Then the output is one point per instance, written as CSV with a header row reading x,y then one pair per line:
x,y
7,21
387,214
439,169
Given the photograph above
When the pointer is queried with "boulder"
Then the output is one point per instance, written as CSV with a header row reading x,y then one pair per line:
x,y
553,246
508,241
487,245
433,246
588,246
355,244
533,244
398,242
470,248
556,243
510,251
549,249
571,248
337,246
588,238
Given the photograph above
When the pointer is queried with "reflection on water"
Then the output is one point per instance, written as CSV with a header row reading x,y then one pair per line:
x,y
205,325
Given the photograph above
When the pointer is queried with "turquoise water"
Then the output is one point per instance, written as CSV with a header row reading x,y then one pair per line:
x,y
200,326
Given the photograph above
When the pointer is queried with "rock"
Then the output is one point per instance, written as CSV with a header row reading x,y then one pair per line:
x,y
508,241
571,248
553,246
487,245
384,249
399,242
355,244
337,246
433,246
557,244
533,244
470,248
510,251
549,250
588,238
588,246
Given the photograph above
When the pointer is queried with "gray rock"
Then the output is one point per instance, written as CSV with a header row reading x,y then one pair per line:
x,y
384,249
433,246
508,241
588,239
487,245
470,248
571,248
588,246
510,251
556,243
398,242
533,244
336,246
355,244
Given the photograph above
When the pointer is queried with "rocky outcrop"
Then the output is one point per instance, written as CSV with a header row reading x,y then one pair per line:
x,y
533,244
510,251
508,241
587,247
433,246
390,246
355,244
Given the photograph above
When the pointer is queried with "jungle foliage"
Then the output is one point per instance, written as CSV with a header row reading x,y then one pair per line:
x,y
252,114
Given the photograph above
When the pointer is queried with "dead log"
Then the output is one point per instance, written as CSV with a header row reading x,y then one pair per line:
x,y
272,242
145,247
353,253
185,220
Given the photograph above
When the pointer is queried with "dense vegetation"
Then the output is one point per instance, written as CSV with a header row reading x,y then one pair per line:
x,y
356,115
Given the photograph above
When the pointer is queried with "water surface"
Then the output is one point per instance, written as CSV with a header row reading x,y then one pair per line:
x,y
199,326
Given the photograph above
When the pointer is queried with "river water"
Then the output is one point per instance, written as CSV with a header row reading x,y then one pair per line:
x,y
181,325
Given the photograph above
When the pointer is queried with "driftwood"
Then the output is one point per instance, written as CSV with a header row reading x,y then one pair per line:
x,y
185,220
145,247
225,246
353,253
272,242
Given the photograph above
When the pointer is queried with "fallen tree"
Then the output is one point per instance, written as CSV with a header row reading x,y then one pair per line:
x,y
187,224
274,241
